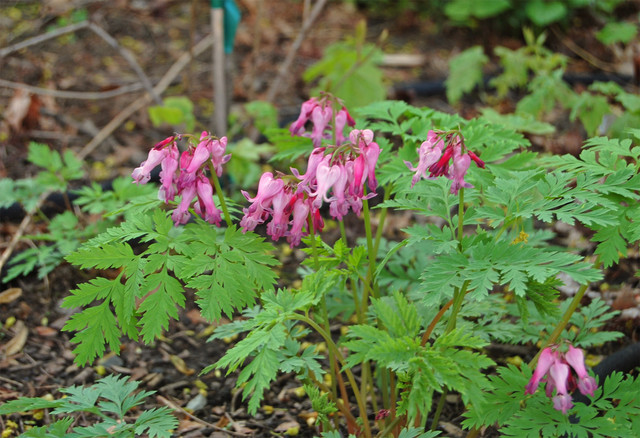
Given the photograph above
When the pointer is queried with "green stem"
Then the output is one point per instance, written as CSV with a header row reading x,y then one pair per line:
x,y
382,218
564,320
460,218
323,309
223,204
352,381
436,415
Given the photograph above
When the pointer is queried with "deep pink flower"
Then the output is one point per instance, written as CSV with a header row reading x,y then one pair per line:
x,y
210,212
257,213
326,176
280,214
309,178
459,167
200,155
181,214
169,166
547,357
321,118
429,153
338,206
559,379
297,127
320,112
448,158
142,174
300,213
268,187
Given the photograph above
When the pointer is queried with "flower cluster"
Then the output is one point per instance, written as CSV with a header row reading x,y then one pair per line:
x,y
435,154
293,199
556,366
324,118
184,175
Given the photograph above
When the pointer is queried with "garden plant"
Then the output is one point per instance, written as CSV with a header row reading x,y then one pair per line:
x,y
384,326
413,316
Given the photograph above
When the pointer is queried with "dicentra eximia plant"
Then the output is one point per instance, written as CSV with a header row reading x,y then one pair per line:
x,y
475,267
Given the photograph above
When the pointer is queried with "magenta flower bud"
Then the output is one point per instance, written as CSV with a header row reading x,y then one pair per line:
x,y
476,159
217,149
163,143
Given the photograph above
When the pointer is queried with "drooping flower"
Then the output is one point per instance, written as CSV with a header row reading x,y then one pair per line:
x,y
184,174
586,383
429,153
323,113
157,155
554,368
444,154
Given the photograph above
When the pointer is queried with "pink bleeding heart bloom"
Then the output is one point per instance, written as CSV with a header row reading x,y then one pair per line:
x,y
280,214
200,155
557,366
459,167
559,375
181,214
429,153
217,148
321,118
343,118
338,206
309,178
326,176
297,127
204,206
448,158
320,112
169,167
586,383
546,359
142,174
300,213
365,164
268,188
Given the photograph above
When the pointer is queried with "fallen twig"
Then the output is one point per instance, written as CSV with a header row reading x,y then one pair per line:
x,y
173,406
123,115
285,66
102,34
82,95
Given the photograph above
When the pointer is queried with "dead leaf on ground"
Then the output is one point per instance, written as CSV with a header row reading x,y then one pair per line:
x,y
45,331
181,366
18,108
9,295
16,343
287,427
